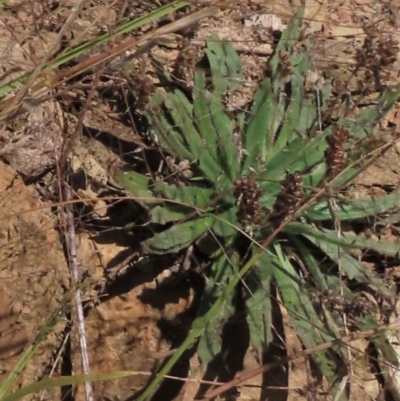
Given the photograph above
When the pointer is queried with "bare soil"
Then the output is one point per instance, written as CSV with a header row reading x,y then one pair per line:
x,y
138,310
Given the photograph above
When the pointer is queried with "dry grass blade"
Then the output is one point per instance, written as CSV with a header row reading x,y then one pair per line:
x,y
302,354
12,106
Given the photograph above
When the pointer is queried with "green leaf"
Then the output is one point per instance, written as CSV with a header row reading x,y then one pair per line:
x,y
187,200
169,137
271,191
178,236
227,150
195,142
307,324
216,129
354,269
182,138
314,178
355,209
137,185
222,270
289,38
270,101
225,65
266,115
345,240
300,155
191,196
258,304
322,279
226,222
169,213
201,128
294,111
365,122
201,113
180,110
380,340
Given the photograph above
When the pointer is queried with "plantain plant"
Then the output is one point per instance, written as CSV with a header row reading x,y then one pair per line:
x,y
274,164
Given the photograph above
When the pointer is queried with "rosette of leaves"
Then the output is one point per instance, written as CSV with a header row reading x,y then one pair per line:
x,y
252,169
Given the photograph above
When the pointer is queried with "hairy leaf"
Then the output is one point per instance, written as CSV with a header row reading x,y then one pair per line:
x,y
345,240
168,136
355,209
216,129
354,269
259,123
201,113
222,270
227,150
301,154
192,196
178,236
137,185
295,110
297,302
380,341
288,40
258,304
169,213
226,223
225,65
323,281
363,124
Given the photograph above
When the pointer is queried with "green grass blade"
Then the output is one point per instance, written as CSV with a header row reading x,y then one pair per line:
x,y
56,382
100,40
31,350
